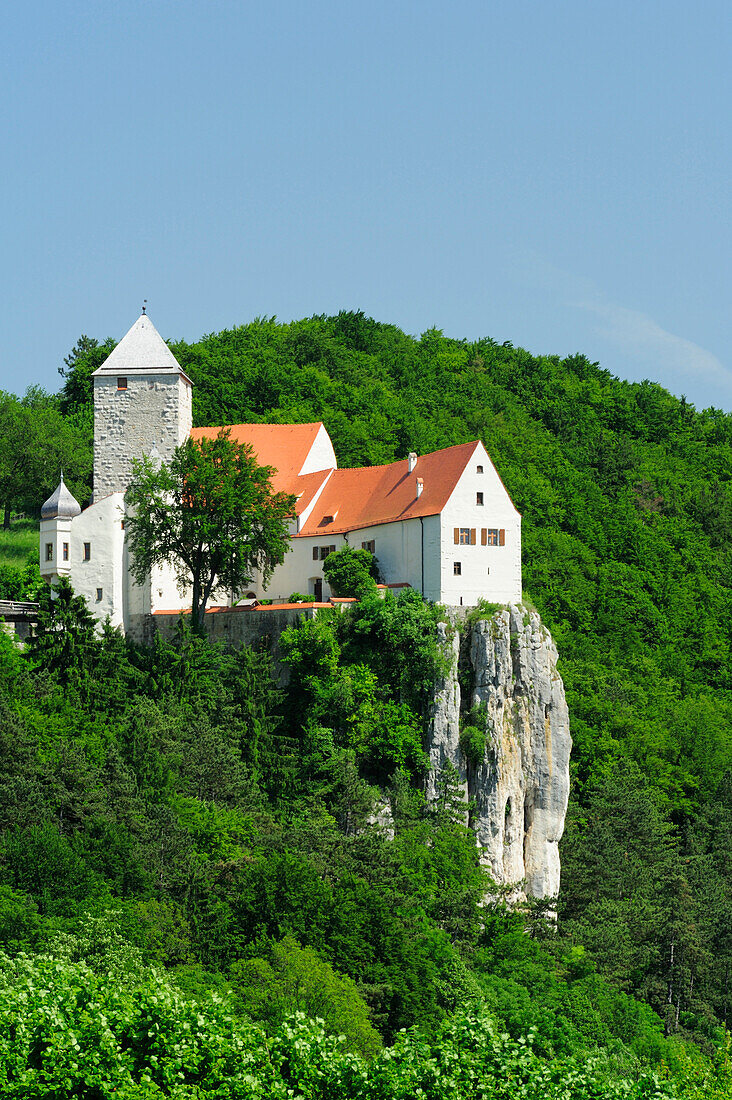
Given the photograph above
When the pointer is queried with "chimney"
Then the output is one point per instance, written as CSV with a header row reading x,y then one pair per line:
x,y
411,460
420,487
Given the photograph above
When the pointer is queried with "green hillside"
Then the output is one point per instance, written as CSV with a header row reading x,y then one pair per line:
x,y
220,827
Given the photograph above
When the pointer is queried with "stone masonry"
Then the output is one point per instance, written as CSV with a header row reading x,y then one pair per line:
x,y
154,411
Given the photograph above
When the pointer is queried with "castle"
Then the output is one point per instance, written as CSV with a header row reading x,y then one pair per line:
x,y
442,523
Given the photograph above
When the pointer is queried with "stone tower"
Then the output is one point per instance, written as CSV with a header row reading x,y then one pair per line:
x,y
142,400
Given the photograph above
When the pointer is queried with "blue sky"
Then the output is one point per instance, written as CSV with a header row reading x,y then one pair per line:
x,y
554,174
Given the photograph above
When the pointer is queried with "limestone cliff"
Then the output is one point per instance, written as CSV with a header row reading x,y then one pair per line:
x,y
517,783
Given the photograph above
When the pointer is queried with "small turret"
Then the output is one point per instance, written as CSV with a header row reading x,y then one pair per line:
x,y
61,504
56,517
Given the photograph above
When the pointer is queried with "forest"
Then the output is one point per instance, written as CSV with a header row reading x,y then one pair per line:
x,y
195,847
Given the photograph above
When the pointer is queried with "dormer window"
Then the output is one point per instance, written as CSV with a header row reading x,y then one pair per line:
x,y
121,383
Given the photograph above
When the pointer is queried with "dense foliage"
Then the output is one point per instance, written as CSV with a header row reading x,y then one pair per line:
x,y
236,830
71,1029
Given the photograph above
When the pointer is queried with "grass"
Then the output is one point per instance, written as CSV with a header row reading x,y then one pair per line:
x,y
19,543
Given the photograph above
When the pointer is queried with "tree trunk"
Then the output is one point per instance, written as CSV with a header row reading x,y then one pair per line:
x,y
6,517
197,610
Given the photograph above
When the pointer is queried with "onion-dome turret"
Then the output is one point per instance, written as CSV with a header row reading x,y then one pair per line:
x,y
61,504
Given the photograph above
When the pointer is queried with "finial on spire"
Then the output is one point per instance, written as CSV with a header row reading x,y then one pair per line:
x,y
144,306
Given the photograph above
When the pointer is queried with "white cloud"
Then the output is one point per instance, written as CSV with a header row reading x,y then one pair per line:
x,y
658,354
643,338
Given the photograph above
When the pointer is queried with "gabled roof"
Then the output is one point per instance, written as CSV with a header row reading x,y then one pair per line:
x,y
305,487
284,447
141,348
382,494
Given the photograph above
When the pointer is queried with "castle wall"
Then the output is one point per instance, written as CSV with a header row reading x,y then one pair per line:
x,y
100,578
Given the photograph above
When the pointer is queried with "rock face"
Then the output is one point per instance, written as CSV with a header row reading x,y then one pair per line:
x,y
518,784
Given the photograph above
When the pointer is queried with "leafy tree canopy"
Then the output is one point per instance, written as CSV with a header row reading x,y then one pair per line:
x,y
212,514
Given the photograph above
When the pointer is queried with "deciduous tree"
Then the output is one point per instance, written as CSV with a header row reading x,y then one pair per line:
x,y
212,514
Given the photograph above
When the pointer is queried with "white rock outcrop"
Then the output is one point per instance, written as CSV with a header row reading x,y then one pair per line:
x,y
519,786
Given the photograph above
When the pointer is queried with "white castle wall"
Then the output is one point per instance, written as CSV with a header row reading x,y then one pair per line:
x,y
101,579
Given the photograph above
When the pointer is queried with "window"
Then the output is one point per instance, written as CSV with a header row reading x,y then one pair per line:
x,y
316,553
465,536
457,568
370,546
492,536
479,469
87,551
49,551
121,383
100,593
478,498
323,552
65,551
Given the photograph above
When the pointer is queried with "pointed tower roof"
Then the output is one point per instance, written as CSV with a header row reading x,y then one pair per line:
x,y
141,350
61,504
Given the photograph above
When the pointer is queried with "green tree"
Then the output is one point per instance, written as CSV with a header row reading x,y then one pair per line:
x,y
212,514
290,978
351,572
65,643
36,444
77,395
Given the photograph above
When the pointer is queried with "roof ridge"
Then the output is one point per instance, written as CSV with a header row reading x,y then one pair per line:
x,y
427,454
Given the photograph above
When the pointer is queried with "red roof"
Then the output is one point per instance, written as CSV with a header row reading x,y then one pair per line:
x,y
355,498
284,447
383,494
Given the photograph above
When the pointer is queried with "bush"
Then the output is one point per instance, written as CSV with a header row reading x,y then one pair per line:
x,y
289,979
351,572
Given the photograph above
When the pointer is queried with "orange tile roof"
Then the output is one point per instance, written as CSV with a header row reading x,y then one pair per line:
x,y
357,498
304,605
382,494
305,487
284,447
